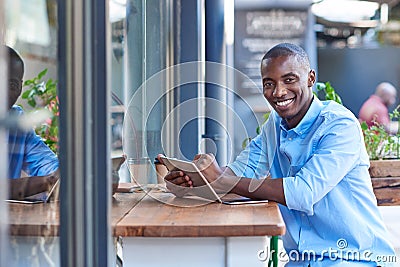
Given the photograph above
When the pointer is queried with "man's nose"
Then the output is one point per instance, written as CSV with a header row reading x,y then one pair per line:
x,y
279,90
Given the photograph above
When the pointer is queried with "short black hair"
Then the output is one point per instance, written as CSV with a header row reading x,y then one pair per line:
x,y
15,58
288,49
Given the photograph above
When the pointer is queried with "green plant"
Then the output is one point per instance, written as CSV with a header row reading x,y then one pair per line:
x,y
395,116
44,94
374,138
247,140
379,143
327,91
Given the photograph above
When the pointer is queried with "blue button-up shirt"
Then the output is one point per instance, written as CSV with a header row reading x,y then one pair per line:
x,y
331,210
27,151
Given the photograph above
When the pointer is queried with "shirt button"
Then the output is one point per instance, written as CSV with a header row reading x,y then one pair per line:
x,y
290,139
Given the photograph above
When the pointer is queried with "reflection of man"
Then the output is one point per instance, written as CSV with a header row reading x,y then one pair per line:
x,y
26,150
310,157
375,108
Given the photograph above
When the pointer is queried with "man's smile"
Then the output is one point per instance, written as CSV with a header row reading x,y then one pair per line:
x,y
284,103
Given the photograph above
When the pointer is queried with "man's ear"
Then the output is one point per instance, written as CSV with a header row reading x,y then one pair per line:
x,y
311,78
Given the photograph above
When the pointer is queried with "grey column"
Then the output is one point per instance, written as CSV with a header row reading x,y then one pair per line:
x,y
85,195
216,52
4,241
188,44
135,75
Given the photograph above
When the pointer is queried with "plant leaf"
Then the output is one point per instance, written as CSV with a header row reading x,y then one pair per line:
x,y
32,102
27,82
26,94
41,74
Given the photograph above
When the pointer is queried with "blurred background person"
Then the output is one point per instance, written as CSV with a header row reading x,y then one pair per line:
x,y
375,110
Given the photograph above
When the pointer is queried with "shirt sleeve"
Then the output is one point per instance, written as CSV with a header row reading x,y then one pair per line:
x,y
39,160
253,161
337,151
382,116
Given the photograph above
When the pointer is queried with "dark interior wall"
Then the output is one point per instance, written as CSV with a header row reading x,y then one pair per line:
x,y
355,73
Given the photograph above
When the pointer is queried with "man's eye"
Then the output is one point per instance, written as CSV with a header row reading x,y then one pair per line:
x,y
268,85
13,86
289,80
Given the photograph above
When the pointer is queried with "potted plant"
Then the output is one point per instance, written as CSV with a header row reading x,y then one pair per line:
x,y
383,148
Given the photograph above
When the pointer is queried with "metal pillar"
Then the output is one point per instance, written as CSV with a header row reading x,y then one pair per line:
x,y
4,241
216,52
85,194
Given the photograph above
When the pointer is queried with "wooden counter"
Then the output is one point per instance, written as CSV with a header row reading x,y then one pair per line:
x,y
159,215
163,215
43,219
218,235
387,190
34,219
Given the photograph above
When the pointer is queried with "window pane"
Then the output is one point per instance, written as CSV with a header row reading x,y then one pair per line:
x,y
31,30
146,58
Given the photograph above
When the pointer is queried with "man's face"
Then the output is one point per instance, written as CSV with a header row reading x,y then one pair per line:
x,y
14,83
287,87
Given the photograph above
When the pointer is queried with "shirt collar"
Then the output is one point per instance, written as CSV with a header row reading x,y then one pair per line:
x,y
308,119
15,110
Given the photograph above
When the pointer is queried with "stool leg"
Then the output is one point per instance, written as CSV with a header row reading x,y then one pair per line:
x,y
273,248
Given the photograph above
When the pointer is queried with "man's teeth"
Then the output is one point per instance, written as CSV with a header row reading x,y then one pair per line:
x,y
284,103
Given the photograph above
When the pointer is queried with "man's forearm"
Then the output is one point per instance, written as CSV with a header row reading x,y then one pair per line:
x,y
28,186
271,189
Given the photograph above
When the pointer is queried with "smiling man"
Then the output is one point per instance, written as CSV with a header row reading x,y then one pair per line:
x,y
311,159
287,84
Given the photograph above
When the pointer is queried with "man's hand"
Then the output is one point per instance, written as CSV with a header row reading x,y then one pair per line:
x,y
208,166
180,183
177,181
221,179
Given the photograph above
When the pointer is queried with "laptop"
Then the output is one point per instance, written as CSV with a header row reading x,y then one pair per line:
x,y
201,187
43,197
